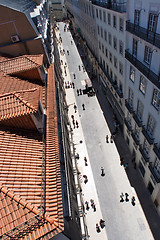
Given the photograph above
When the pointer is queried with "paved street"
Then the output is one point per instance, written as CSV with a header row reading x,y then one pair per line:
x,y
123,220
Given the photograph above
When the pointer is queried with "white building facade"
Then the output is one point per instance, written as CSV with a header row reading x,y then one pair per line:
x,y
142,112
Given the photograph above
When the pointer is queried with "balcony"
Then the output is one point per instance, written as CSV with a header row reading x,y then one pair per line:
x,y
151,37
151,168
155,79
156,150
128,106
146,158
139,122
145,133
120,93
135,138
128,125
118,7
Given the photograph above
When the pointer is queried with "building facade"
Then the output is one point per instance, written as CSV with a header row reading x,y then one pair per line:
x,y
125,51
142,124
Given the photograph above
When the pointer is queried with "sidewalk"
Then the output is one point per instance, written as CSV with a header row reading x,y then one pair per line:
x,y
123,221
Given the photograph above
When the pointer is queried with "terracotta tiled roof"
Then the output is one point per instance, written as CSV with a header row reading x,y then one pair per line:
x,y
21,163
20,64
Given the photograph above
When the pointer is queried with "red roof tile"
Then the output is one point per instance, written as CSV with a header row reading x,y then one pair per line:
x,y
21,162
20,64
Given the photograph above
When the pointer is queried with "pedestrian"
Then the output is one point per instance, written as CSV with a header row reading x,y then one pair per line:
x,y
94,207
72,116
102,223
75,108
92,203
80,91
127,199
71,43
77,92
121,197
85,160
107,139
63,51
111,139
121,161
77,124
83,106
79,68
73,85
67,52
126,166
87,205
133,201
102,172
74,75
98,228
62,62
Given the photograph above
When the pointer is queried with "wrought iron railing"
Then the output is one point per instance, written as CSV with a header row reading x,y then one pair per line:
x,y
154,78
118,7
145,34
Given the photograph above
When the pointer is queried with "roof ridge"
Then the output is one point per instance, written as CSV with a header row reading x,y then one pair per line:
x,y
19,200
19,91
24,101
29,56
28,205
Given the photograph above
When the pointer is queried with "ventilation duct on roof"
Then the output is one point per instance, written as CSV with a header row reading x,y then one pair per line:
x,y
15,38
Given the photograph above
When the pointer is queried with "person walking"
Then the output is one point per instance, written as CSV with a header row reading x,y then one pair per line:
x,y
107,139
102,223
75,108
121,161
83,106
79,68
98,228
87,205
77,124
77,92
102,172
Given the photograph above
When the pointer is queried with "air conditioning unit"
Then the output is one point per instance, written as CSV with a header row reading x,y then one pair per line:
x,y
15,38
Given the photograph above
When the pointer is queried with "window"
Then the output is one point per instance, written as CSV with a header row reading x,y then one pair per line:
x,y
134,47
146,148
121,24
111,73
104,16
96,12
156,99
136,17
103,64
105,35
121,47
121,68
156,167
109,19
140,108
115,62
110,39
147,55
132,74
142,84
99,45
106,52
100,14
102,48
110,57
136,131
98,30
115,79
129,119
152,22
150,126
130,97
102,32
114,22
115,43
